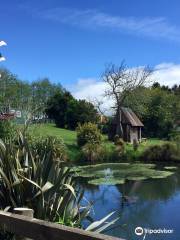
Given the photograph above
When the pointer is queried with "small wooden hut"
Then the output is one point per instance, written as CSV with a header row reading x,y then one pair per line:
x,y
131,125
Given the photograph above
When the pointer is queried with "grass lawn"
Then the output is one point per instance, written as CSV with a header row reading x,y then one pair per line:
x,y
49,129
69,138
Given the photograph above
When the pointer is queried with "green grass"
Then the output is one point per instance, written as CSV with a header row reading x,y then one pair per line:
x,y
145,144
69,138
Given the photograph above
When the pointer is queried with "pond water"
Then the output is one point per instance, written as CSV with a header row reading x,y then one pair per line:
x,y
152,203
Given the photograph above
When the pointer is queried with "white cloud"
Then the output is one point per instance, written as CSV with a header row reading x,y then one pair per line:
x,y
167,73
89,88
157,27
2,59
2,43
92,88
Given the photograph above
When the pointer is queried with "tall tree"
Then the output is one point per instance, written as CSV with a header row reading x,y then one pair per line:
x,y
41,91
121,81
68,111
21,95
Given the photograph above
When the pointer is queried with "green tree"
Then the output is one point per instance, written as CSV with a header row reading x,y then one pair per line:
x,y
158,107
41,91
68,112
21,95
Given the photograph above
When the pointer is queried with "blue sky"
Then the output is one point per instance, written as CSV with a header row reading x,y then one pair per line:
x,y
71,41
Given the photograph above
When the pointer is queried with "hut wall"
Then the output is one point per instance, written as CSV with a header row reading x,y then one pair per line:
x,y
134,134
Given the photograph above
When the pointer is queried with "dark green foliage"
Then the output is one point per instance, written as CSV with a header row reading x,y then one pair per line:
x,y
135,144
120,146
31,176
111,129
59,107
103,128
7,129
88,133
160,116
68,112
164,152
158,108
6,235
86,112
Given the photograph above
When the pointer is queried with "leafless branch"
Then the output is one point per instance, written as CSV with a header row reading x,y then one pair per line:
x,y
122,80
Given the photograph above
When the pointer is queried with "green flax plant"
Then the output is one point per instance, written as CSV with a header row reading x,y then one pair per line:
x,y
31,176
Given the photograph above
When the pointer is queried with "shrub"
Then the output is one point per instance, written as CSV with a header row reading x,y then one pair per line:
x,y
53,145
177,143
120,145
92,152
135,144
88,133
165,152
30,179
116,139
7,129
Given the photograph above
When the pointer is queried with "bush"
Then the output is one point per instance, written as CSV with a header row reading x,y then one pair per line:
x,y
88,133
120,145
135,144
47,187
7,129
36,181
92,152
165,152
116,139
55,146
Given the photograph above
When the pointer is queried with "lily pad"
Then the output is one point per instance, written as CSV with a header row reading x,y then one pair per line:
x,y
162,174
170,167
118,173
136,178
110,181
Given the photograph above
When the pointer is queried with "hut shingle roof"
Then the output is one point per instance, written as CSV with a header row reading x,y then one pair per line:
x,y
131,118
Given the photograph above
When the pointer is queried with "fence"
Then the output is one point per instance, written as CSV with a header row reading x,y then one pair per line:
x,y
33,228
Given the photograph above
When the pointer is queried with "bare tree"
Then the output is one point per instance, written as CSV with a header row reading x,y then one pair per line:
x,y
121,81
98,104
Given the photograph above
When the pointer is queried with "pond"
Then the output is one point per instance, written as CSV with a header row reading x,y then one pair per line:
x,y
141,196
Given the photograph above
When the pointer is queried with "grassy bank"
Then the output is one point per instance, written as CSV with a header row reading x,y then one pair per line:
x,y
69,138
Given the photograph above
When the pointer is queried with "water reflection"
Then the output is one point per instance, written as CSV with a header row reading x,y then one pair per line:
x,y
151,204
